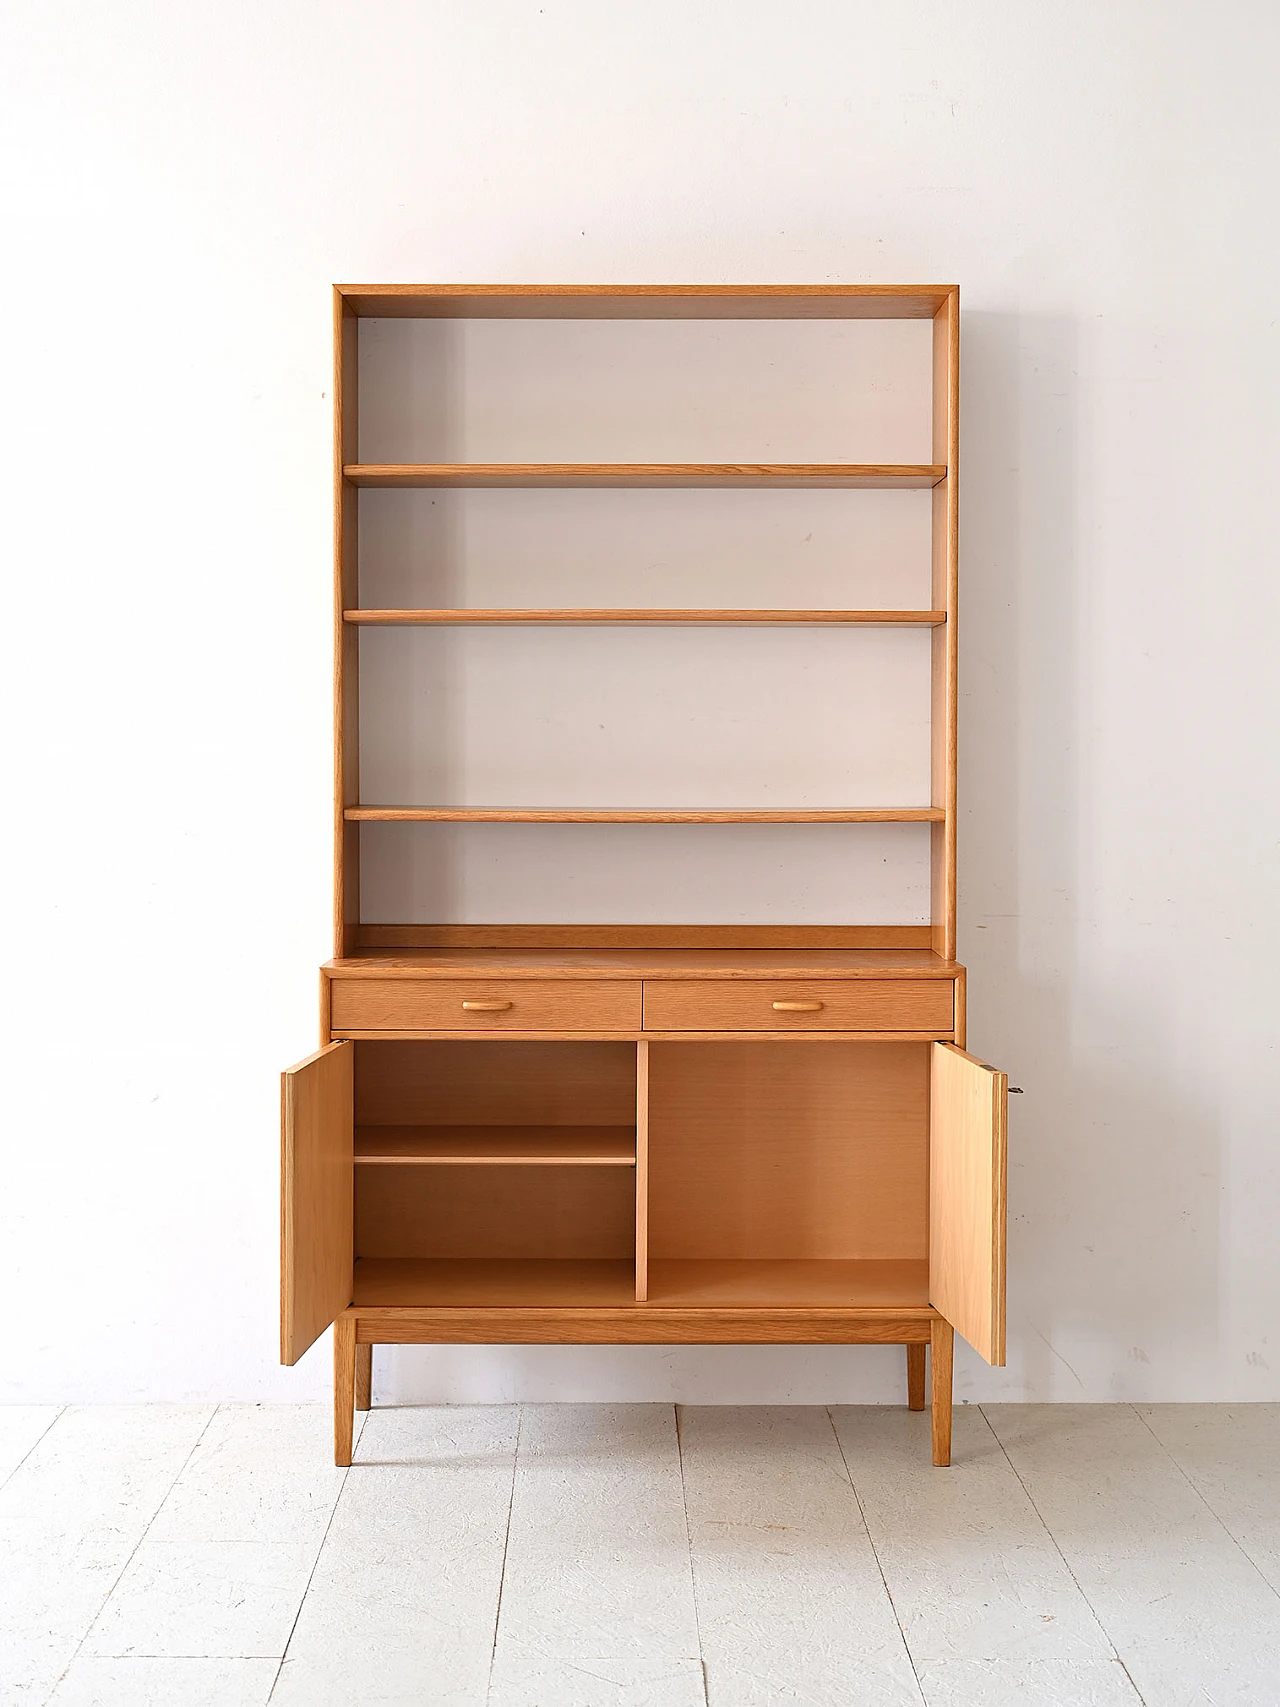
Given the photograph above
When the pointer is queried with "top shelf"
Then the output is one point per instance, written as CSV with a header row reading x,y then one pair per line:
x,y
643,302
914,476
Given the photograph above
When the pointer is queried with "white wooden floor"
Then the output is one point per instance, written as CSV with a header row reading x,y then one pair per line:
x,y
581,1556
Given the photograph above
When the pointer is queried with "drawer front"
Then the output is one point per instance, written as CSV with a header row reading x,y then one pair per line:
x,y
410,1004
821,1005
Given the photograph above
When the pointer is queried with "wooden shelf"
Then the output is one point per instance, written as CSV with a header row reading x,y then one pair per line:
x,y
497,1146
605,618
480,1280
642,815
783,1283
643,302
916,476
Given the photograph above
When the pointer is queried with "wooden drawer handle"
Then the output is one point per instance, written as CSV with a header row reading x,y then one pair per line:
x,y
486,1007
796,1007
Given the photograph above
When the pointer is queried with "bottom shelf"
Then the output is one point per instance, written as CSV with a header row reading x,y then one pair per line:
x,y
768,1283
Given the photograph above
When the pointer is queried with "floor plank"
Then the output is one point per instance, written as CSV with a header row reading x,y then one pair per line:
x,y
791,1604
1191,1617
973,1572
407,1582
597,1595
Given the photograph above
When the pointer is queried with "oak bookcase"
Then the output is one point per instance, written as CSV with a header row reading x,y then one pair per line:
x,y
673,1133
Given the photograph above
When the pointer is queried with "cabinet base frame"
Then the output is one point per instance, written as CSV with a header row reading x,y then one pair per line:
x,y
357,1331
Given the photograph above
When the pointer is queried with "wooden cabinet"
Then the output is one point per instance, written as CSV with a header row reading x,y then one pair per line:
x,y
683,1133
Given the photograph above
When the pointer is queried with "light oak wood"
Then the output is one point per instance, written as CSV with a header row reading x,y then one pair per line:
x,y
608,618
643,815
641,957
915,1377
968,1116
644,302
635,1324
770,1283
494,1283
941,1345
364,1376
924,1005
507,1083
878,476
776,1151
344,1387
780,937
642,1171
346,653
495,1146
450,1005
944,691
316,1129
498,1213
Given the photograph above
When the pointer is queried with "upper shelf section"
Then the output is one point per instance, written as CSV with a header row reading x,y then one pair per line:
x,y
603,618
878,476
644,302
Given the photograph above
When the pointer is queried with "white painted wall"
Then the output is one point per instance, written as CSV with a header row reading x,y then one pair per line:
x,y
183,182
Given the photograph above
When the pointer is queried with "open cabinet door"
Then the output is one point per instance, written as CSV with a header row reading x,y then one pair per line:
x,y
317,1119
968,1123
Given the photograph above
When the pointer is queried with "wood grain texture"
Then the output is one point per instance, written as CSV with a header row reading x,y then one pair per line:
x,y
633,1324
346,653
316,1129
607,618
945,593
643,815
519,1283
772,1283
640,960
915,1377
780,938
495,1146
507,1083
788,1150
799,1005
941,1351
364,1376
644,302
344,1387
535,1005
968,1149
642,1171
914,476
497,1213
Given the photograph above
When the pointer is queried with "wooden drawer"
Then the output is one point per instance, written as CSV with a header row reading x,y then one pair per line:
x,y
821,1005
411,1004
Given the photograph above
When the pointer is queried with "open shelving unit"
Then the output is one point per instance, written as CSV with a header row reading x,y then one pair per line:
x,y
755,1126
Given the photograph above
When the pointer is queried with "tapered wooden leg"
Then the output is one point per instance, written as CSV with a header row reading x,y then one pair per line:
x,y
941,1346
344,1387
915,1377
364,1377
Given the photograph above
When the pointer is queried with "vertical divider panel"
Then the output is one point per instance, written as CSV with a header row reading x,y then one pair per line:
x,y
346,636
946,446
642,1172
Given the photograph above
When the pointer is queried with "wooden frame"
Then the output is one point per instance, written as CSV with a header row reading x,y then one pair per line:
x,y
573,1180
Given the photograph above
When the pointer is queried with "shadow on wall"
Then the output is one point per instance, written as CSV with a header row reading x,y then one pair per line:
x,y
1107,1165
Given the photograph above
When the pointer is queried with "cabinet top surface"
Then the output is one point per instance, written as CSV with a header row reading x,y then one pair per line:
x,y
644,963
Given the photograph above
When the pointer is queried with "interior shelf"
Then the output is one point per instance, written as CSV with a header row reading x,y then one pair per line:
x,y
914,475
782,1282
607,618
483,1280
644,815
547,1146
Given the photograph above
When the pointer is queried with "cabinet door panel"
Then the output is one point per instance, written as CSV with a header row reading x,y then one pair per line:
x,y
968,1120
316,1141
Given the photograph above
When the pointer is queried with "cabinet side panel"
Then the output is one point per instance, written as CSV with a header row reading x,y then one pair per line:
x,y
315,1196
967,1197
346,644
946,449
